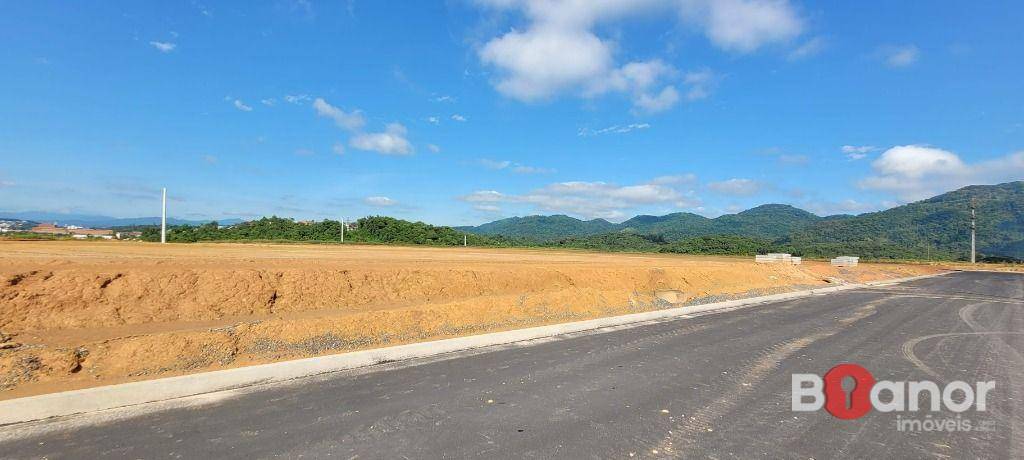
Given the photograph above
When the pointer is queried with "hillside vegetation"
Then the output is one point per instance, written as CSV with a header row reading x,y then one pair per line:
x,y
936,228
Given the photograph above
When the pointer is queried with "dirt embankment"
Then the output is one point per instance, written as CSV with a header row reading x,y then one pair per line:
x,y
81,314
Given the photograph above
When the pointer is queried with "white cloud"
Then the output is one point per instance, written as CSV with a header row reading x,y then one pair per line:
x,y
490,208
458,117
163,47
494,164
295,98
390,142
379,201
674,179
433,148
914,172
857,152
736,187
241,106
744,25
523,169
915,161
6,183
590,199
660,102
443,98
352,121
847,206
808,49
338,148
269,102
434,120
512,166
614,129
559,51
699,84
486,196
900,56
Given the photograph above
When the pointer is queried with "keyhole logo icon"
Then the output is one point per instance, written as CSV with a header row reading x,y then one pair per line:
x,y
858,402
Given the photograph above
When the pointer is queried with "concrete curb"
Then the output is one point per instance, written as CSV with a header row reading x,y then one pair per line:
x,y
149,391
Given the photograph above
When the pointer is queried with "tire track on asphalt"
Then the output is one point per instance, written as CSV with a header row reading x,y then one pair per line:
x,y
686,434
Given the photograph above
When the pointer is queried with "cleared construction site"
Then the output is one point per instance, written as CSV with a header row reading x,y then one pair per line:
x,y
77,314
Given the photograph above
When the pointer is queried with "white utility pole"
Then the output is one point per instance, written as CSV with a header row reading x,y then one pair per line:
x,y
974,227
342,229
463,240
163,218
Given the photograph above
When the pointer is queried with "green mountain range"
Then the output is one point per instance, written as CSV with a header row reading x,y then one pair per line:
x,y
938,227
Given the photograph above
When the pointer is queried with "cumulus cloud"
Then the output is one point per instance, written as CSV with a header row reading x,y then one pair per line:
x,y
900,56
391,141
433,148
857,152
559,51
660,102
458,117
163,47
242,106
736,187
743,25
352,121
590,199
914,172
379,201
269,102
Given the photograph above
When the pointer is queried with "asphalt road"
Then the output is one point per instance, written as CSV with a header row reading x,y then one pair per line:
x,y
717,385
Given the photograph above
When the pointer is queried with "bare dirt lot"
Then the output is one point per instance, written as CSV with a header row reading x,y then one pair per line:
x,y
77,314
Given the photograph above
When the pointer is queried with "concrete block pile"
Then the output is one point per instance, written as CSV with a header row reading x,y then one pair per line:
x,y
776,258
845,261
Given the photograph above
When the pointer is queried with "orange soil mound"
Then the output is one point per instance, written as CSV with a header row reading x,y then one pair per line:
x,y
93,313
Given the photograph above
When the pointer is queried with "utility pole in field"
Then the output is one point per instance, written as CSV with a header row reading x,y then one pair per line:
x,y
974,227
163,218
342,229
464,240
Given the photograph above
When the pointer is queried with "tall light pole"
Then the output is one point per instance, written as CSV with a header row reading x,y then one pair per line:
x,y
974,227
342,229
163,218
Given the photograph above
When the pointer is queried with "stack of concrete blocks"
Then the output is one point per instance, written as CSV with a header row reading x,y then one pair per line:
x,y
777,258
846,261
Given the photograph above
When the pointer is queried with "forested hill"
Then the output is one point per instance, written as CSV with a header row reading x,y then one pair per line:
x,y
543,228
937,226
766,221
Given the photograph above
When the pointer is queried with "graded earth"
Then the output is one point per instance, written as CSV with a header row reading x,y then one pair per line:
x,y
81,314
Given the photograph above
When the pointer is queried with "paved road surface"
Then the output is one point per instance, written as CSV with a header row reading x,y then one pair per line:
x,y
713,386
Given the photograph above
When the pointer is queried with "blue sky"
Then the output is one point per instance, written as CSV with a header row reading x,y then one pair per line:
x,y
463,111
